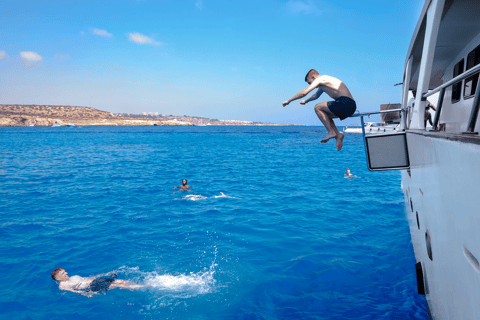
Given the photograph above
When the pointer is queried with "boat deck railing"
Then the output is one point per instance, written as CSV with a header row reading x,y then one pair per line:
x,y
476,101
367,114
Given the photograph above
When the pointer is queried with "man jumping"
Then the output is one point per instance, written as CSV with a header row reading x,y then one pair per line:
x,y
343,106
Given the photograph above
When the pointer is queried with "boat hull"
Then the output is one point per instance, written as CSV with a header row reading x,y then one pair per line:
x,y
442,191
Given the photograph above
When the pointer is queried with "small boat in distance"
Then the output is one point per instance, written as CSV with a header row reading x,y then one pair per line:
x,y
71,125
370,127
354,128
56,125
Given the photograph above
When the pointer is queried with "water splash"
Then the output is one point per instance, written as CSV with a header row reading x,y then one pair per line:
x,y
196,197
180,285
222,195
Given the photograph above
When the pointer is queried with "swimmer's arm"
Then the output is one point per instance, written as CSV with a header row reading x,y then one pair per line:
x,y
82,292
314,96
306,91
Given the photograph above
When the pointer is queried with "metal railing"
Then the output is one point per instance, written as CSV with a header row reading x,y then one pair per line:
x,y
454,80
366,114
476,101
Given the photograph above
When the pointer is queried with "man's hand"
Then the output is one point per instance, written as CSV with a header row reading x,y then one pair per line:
x,y
302,102
285,103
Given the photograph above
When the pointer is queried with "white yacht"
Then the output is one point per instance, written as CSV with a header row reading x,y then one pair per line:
x,y
370,128
441,167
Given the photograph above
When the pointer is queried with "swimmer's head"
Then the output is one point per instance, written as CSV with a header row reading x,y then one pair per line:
x,y
184,181
311,75
60,274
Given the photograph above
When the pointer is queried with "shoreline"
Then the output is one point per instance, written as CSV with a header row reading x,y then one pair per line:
x,y
15,115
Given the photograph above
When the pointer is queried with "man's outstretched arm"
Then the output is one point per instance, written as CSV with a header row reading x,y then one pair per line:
x,y
314,96
82,292
304,92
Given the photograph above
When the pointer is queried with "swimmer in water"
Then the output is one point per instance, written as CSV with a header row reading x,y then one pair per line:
x,y
88,286
183,187
349,175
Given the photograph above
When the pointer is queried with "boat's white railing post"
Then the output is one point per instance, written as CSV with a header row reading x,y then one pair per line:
x,y
362,123
406,89
433,16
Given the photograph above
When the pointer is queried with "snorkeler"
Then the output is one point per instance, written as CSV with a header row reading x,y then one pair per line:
x,y
342,107
88,286
183,187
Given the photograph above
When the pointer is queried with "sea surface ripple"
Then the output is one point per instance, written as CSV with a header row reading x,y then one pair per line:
x,y
272,229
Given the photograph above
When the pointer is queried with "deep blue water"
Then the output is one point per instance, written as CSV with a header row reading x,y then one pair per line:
x,y
295,239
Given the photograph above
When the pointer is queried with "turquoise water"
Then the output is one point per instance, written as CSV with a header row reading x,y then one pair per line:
x,y
273,229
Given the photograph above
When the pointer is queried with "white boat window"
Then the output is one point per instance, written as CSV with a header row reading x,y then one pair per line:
x,y
457,87
470,87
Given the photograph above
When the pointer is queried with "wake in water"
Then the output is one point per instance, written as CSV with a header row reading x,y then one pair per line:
x,y
182,285
196,197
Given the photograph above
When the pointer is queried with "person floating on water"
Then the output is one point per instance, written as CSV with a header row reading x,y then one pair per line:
x,y
343,106
183,187
349,174
88,286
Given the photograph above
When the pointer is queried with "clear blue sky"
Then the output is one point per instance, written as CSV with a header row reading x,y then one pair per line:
x,y
218,59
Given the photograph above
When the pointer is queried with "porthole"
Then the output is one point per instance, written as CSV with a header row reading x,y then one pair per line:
x,y
418,221
428,242
411,204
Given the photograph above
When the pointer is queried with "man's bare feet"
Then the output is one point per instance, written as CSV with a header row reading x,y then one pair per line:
x,y
339,141
328,137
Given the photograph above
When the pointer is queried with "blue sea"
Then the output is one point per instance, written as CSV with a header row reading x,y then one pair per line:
x,y
272,229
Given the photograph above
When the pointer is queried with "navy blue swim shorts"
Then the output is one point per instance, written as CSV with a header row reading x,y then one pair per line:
x,y
101,284
343,107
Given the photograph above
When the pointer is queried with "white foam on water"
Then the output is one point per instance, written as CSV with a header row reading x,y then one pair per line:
x,y
195,197
224,196
348,177
181,285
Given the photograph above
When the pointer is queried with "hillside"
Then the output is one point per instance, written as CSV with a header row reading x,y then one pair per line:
x,y
42,115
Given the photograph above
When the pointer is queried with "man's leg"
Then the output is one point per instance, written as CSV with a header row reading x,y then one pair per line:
x,y
326,117
125,284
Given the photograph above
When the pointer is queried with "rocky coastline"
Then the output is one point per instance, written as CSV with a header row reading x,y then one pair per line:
x,y
47,116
